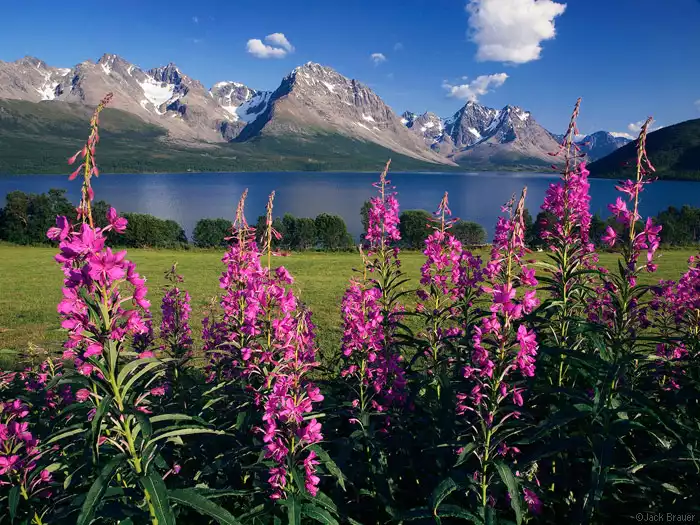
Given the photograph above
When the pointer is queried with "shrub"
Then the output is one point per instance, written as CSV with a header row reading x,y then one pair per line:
x,y
331,232
305,234
25,217
147,231
209,233
469,233
414,227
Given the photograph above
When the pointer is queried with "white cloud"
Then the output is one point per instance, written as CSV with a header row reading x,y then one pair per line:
x,y
398,46
195,19
478,87
622,134
697,104
636,127
511,30
278,39
377,58
280,47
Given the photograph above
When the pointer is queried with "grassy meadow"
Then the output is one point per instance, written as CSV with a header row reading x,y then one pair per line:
x,y
30,287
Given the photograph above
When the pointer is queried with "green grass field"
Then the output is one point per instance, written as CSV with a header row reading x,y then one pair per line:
x,y
30,287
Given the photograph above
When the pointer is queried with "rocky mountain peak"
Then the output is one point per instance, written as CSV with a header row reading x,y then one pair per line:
x,y
169,74
599,144
30,61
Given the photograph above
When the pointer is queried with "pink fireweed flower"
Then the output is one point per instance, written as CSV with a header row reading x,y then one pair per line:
x,y
118,223
265,339
312,480
82,395
383,215
632,242
610,236
175,331
532,501
18,448
503,349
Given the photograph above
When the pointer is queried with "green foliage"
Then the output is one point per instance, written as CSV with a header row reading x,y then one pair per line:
x,y
469,233
26,217
305,234
332,233
414,226
680,227
149,231
209,233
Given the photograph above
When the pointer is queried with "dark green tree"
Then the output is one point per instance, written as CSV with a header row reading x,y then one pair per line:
x,y
211,232
147,231
414,226
364,214
680,227
304,234
332,233
25,218
469,233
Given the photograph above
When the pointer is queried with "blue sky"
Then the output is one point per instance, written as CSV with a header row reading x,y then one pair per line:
x,y
627,58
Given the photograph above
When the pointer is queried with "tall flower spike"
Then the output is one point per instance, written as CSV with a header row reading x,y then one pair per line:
x,y
503,349
89,166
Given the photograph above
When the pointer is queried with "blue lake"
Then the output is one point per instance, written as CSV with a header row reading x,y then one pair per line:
x,y
187,197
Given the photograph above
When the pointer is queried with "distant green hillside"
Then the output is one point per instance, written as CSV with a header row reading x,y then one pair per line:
x,y
674,151
38,138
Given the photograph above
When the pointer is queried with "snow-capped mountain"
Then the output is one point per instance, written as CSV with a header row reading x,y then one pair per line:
x,y
476,134
311,102
30,79
600,144
315,99
312,99
428,125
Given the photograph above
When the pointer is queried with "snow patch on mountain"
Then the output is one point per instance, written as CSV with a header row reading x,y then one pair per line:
x,y
157,93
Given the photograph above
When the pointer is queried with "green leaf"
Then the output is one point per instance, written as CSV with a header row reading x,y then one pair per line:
x,y
13,502
671,488
133,365
97,490
320,515
293,511
63,435
464,454
137,376
172,417
445,488
143,426
96,425
512,486
454,511
196,501
157,496
182,432
330,465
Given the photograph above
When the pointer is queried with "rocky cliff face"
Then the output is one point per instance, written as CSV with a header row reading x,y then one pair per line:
x,y
477,134
311,101
30,79
315,99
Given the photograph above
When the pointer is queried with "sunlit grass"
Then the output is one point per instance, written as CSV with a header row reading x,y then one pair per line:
x,y
30,287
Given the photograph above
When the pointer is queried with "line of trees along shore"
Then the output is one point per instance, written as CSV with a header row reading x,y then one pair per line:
x,y
26,217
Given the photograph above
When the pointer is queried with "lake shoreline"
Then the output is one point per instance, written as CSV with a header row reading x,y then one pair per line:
x,y
474,196
350,172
